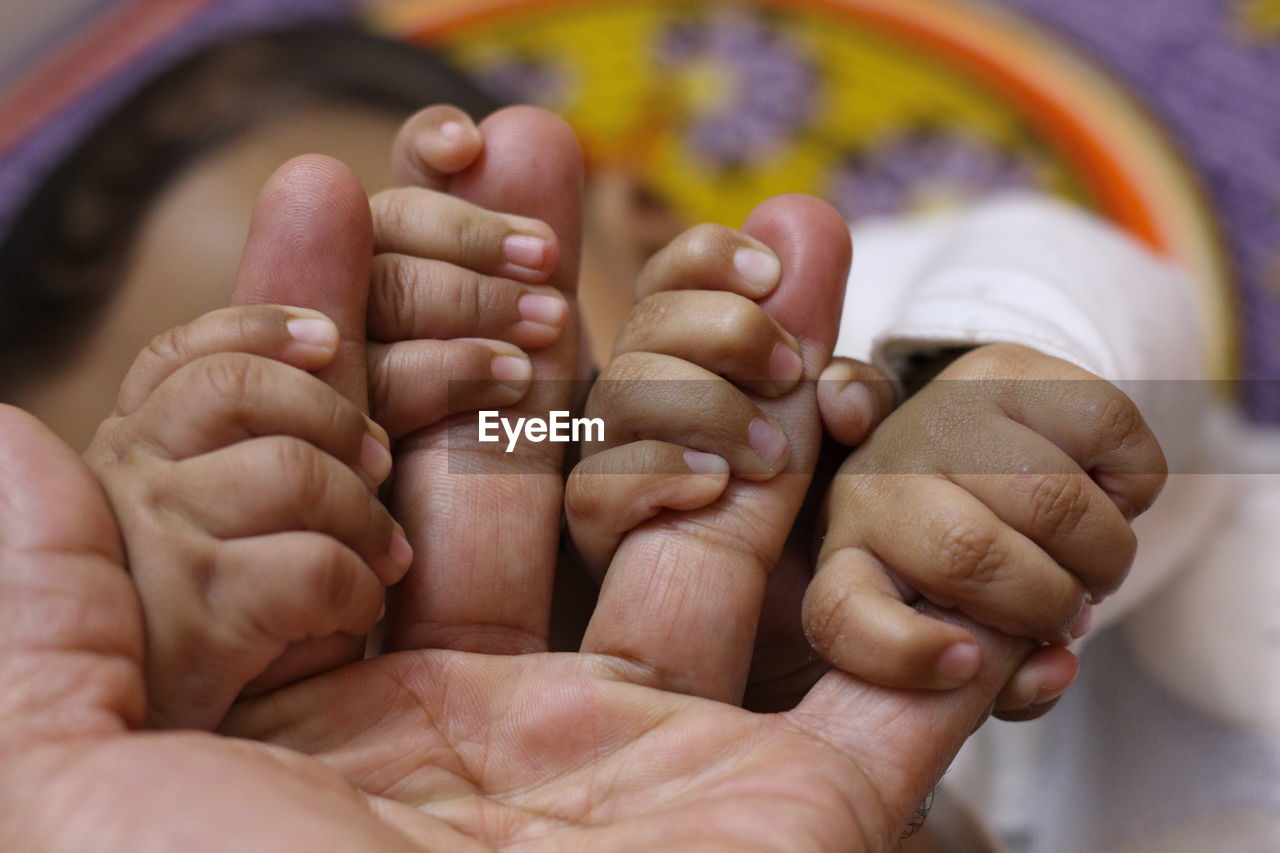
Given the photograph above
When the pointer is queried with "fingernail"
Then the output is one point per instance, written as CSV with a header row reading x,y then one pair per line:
x,y
375,459
785,366
1084,620
313,332
959,662
401,552
765,439
862,400
1048,694
543,309
524,251
453,131
705,463
511,370
758,268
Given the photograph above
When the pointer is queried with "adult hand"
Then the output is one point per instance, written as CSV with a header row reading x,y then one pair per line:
x,y
419,750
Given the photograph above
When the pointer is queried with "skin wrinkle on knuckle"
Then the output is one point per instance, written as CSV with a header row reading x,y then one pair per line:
x,y
334,585
232,380
380,384
479,237
396,295
1115,420
821,612
306,484
706,245
169,347
390,210
582,495
1059,504
972,556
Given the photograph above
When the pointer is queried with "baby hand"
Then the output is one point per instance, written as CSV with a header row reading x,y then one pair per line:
x,y
1003,489
246,492
677,397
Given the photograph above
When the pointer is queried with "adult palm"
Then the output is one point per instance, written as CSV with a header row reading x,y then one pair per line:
x,y
429,749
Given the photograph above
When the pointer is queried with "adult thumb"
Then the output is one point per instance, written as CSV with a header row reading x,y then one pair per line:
x,y
71,637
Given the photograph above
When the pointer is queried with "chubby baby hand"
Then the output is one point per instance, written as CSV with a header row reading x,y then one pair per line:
x,y
1003,489
246,493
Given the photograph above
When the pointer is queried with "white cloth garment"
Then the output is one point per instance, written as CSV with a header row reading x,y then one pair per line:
x,y
1184,692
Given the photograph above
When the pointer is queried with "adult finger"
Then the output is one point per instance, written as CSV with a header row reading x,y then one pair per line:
x,y
311,244
902,741
485,524
71,636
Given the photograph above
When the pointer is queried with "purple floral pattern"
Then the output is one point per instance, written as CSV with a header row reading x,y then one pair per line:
x,y
770,91
925,169
521,80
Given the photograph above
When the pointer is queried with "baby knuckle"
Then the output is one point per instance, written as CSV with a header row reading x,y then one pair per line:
x,y
229,378
738,317
170,346
1115,418
479,236
397,284
331,575
1059,503
627,368
391,211
993,361
302,466
824,613
582,495
971,552
473,302
707,245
